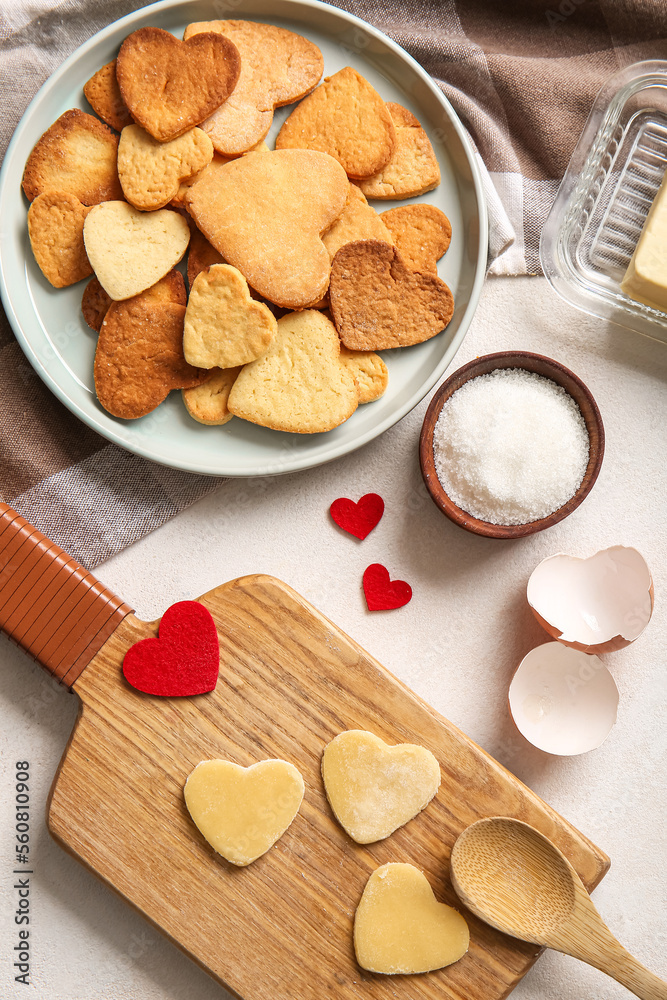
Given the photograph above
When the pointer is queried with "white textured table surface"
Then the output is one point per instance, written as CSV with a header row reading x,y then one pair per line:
x,y
456,644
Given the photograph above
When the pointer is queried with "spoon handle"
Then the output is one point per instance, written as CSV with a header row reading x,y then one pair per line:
x,y
604,952
634,976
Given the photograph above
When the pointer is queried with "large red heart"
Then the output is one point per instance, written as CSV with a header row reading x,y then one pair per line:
x,y
360,518
184,660
382,594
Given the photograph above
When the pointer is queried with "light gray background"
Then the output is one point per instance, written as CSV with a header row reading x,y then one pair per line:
x,y
457,644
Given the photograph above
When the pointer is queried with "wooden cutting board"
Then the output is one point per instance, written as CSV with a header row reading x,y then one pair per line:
x,y
289,681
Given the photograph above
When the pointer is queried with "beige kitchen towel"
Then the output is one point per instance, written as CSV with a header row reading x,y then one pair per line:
x,y
521,75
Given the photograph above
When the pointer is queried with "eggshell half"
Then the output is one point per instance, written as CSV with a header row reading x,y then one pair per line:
x,y
596,605
563,701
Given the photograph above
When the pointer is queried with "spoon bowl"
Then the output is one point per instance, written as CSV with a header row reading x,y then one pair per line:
x,y
512,877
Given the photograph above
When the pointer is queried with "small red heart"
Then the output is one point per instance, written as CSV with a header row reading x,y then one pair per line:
x,y
184,660
382,594
360,518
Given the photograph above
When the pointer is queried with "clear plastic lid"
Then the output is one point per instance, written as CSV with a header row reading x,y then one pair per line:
x,y
605,196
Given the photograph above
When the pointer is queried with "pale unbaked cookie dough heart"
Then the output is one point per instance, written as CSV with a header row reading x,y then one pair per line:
x,y
374,788
129,250
243,811
400,928
151,172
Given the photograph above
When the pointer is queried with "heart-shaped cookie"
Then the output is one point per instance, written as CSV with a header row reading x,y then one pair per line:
x,y
95,303
151,172
596,605
168,85
224,326
277,68
422,234
139,357
400,928
130,250
413,168
243,811
369,372
103,95
299,385
374,788
55,227
76,155
207,403
347,118
265,212
382,593
359,518
377,302
357,221
184,660
200,255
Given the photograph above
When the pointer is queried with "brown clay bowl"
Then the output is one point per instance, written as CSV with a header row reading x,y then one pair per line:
x,y
532,363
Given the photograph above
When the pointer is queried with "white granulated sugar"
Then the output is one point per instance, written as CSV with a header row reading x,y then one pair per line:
x,y
510,447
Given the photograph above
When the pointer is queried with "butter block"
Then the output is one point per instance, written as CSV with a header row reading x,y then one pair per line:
x,y
646,277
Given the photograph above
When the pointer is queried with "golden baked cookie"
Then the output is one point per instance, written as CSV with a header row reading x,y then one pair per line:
x,y
103,94
178,201
139,357
96,303
76,155
413,168
265,213
169,85
224,326
55,226
346,118
277,68
299,385
358,221
207,403
377,302
368,371
151,172
422,234
201,254
131,250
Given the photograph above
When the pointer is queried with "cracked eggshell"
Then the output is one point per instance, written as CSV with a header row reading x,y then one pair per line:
x,y
562,700
595,605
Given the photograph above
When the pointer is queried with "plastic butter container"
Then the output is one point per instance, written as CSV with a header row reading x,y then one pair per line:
x,y
611,181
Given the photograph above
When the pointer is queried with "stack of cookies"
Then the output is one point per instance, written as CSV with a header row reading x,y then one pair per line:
x,y
295,281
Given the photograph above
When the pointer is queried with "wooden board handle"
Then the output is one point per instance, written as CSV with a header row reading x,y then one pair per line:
x,y
50,605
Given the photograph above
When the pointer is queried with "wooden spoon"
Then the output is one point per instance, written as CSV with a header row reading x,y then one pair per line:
x,y
515,879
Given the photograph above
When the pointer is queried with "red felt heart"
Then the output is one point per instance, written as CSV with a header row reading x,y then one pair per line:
x,y
360,518
184,660
382,594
